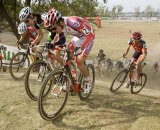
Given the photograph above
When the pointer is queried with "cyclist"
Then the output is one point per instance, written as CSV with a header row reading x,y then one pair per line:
x,y
27,34
32,19
36,20
101,56
83,37
140,53
155,68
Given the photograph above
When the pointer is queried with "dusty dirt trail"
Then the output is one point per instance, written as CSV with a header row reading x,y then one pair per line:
x,y
104,110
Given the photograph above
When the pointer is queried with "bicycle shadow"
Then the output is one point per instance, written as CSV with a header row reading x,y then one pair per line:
x,y
121,107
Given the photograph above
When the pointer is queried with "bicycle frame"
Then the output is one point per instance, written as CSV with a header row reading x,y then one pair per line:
x,y
66,68
131,69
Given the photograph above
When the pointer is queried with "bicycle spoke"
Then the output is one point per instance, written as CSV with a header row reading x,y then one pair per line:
x,y
52,104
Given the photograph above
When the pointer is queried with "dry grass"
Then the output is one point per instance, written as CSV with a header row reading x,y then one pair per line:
x,y
104,110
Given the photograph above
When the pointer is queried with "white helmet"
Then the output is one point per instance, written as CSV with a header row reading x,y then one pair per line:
x,y
24,13
44,16
22,28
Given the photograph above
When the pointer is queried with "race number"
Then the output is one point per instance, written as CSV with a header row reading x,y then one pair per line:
x,y
85,31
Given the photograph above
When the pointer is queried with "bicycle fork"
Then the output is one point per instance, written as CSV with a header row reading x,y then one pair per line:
x,y
59,86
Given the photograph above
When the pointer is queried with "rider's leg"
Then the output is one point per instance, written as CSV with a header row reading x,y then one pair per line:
x,y
130,73
139,68
34,53
81,65
57,56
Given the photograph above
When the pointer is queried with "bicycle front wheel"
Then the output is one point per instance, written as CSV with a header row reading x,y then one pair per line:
x,y
82,95
18,65
0,64
34,77
53,103
139,85
119,80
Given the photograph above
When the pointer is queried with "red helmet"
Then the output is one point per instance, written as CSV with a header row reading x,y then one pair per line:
x,y
52,17
137,35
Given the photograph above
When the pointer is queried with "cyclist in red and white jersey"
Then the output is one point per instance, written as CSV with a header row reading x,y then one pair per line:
x,y
140,48
83,38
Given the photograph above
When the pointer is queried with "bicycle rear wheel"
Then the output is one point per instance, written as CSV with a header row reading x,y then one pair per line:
x,y
34,77
119,80
0,64
18,65
82,95
139,85
55,100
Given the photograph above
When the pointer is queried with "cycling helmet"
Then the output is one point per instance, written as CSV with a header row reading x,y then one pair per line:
x,y
22,28
44,16
101,50
24,13
52,17
137,35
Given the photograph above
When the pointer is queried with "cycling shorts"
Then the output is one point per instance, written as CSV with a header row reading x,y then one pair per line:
x,y
81,43
136,55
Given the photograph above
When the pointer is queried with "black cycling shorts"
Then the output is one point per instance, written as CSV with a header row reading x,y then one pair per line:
x,y
136,55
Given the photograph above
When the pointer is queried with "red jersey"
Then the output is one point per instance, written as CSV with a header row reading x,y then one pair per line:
x,y
32,33
137,46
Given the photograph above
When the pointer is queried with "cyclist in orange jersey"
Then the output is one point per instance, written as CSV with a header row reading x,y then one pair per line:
x,y
140,53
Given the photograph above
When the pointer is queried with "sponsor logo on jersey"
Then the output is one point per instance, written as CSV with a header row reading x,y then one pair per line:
x,y
73,23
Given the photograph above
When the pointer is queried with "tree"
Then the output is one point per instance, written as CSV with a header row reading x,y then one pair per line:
x,y
8,13
113,12
107,12
137,11
119,9
105,1
149,11
9,9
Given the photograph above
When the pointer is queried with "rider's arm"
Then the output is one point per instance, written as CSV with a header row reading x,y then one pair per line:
x,y
38,37
55,39
127,50
22,37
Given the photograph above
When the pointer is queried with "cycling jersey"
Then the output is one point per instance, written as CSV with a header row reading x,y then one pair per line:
x,y
137,46
39,24
32,33
82,32
61,40
38,21
101,57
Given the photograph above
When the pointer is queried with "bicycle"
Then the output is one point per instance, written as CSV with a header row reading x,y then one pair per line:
x,y
137,86
1,62
59,83
37,72
19,63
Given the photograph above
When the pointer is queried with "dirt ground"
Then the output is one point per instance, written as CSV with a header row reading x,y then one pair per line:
x,y
103,110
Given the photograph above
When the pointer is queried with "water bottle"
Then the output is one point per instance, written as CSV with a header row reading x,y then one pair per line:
x,y
74,75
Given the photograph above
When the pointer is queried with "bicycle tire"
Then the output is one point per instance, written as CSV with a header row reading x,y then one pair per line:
x,y
30,88
52,77
0,64
133,86
81,94
119,75
11,66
